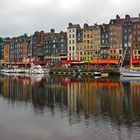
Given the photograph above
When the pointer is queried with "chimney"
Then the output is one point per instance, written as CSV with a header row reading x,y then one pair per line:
x,y
85,26
52,31
70,24
117,17
127,17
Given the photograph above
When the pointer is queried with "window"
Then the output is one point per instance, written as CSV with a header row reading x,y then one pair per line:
x,y
125,44
54,46
120,51
73,48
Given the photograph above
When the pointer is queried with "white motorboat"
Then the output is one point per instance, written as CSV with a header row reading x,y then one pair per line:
x,y
97,73
12,69
36,69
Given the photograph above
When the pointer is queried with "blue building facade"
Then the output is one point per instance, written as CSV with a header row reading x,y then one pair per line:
x,y
104,52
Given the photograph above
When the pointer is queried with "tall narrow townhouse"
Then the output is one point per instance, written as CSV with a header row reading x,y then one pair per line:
x,y
104,52
96,41
115,38
126,38
62,46
25,49
88,43
73,36
1,48
136,38
6,50
38,45
16,51
80,51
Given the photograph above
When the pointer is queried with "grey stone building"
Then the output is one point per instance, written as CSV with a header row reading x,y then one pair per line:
x,y
104,51
55,46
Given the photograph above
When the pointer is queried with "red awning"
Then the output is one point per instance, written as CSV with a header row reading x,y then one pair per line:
x,y
136,61
71,62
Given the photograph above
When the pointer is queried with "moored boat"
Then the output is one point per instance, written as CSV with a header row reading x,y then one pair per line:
x,y
97,73
12,69
36,69
131,71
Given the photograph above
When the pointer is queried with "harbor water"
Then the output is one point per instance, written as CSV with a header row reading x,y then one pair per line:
x,y
38,107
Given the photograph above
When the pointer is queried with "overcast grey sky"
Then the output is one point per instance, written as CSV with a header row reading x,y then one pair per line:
x,y
26,16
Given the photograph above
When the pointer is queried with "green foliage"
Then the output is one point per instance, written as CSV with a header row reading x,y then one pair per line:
x,y
1,40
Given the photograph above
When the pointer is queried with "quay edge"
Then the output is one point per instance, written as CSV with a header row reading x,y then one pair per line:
x,y
83,71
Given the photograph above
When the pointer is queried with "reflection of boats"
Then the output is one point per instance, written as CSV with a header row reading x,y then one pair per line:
x,y
36,69
32,77
36,77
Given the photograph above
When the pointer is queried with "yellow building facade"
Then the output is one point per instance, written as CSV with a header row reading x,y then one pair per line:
x,y
88,48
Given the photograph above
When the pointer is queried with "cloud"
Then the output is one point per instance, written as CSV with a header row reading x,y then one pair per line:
x,y
26,16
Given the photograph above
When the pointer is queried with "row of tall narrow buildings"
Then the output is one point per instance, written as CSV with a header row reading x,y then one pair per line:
x,y
106,41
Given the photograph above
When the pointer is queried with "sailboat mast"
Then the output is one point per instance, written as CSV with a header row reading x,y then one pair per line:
x,y
131,51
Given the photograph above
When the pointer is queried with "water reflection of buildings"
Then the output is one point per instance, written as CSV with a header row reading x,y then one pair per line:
x,y
111,98
41,93
95,97
104,98
135,97
16,88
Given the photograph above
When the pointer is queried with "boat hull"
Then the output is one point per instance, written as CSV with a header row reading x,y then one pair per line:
x,y
131,73
97,73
